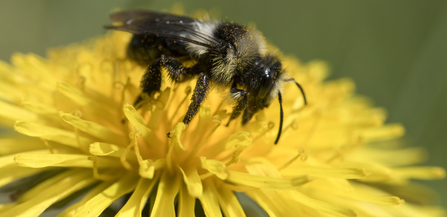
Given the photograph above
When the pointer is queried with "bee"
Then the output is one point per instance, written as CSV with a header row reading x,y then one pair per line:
x,y
226,54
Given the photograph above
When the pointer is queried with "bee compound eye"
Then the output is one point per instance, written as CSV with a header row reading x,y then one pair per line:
x,y
264,89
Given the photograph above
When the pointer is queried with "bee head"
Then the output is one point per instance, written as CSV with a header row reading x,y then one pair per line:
x,y
267,75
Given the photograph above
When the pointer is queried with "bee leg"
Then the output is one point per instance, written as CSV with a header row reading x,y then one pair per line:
x,y
241,103
151,81
248,114
200,92
177,72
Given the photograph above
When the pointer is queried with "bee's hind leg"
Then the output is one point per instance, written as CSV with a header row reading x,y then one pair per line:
x,y
151,81
199,94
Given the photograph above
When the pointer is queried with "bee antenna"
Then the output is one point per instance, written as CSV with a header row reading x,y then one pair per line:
x,y
281,117
301,89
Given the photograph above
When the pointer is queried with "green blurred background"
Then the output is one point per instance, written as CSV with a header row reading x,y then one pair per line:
x,y
395,51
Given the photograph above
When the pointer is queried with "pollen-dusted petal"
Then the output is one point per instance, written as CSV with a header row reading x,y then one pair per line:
x,y
93,129
135,118
193,182
136,202
52,134
63,160
168,188
11,112
215,167
265,181
46,197
186,203
96,205
209,200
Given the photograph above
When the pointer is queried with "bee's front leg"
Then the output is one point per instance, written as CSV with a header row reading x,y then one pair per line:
x,y
241,102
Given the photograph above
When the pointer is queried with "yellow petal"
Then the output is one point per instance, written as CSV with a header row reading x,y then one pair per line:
x,y
186,203
236,140
13,113
146,169
63,160
9,159
373,171
134,206
265,181
135,119
386,132
158,112
93,129
106,149
100,107
215,167
175,136
101,201
345,173
420,172
209,200
36,205
228,202
6,206
274,204
11,173
71,211
54,180
21,144
41,108
193,182
168,188
327,208
52,134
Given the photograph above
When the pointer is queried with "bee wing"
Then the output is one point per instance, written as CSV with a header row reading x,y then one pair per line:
x,y
142,22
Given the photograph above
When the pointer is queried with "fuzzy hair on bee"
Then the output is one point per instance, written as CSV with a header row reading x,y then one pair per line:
x,y
226,54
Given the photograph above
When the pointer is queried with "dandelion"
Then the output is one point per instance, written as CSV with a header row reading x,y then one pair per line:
x,y
78,132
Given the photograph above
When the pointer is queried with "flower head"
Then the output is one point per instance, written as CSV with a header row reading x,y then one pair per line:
x,y
80,132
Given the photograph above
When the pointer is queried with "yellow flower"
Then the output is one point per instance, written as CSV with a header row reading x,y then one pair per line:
x,y
336,157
